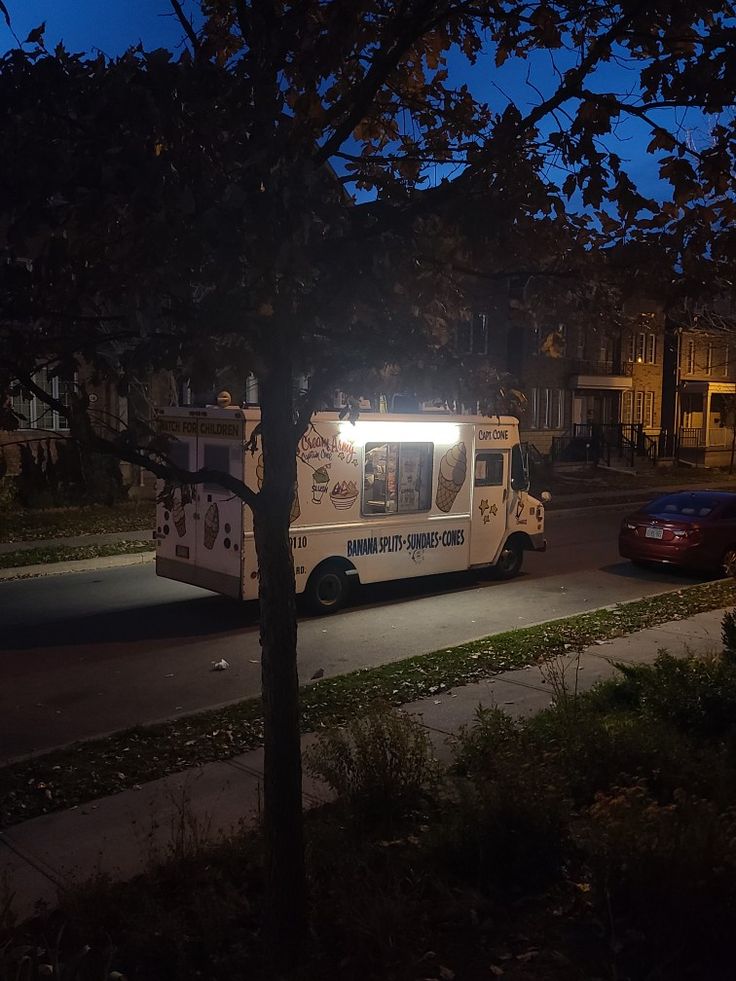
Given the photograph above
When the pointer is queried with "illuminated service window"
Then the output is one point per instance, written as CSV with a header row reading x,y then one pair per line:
x,y
397,478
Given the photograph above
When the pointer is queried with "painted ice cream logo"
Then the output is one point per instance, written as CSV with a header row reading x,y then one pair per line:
x,y
344,494
211,525
453,470
314,448
180,518
320,480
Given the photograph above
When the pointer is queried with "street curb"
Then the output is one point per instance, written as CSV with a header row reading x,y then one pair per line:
x,y
76,565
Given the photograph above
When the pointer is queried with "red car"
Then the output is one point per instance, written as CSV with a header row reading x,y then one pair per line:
x,y
695,530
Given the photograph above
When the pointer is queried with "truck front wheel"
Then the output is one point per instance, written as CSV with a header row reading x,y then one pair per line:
x,y
327,589
509,561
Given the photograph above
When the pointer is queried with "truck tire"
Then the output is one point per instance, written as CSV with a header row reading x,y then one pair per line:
x,y
327,588
509,561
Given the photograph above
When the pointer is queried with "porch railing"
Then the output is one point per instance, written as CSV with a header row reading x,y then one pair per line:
x,y
718,438
601,368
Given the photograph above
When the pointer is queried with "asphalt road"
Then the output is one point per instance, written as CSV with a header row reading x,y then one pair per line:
x,y
88,653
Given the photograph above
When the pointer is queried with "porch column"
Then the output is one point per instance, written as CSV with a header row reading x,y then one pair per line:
x,y
706,418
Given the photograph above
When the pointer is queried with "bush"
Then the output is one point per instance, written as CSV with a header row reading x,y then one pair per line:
x,y
728,633
696,696
507,823
664,880
380,766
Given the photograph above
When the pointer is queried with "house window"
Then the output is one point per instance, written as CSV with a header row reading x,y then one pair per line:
x,y
546,408
560,418
651,348
535,408
690,358
725,361
641,343
480,333
709,359
580,349
397,478
649,409
626,407
471,336
638,407
33,413
644,409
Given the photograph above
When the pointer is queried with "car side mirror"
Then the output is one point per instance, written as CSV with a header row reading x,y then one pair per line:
x,y
546,497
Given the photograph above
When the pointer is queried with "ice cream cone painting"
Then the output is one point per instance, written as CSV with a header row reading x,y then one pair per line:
x,y
180,518
320,480
295,508
211,525
453,471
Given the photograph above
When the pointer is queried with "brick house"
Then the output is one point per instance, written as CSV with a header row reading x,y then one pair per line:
x,y
41,441
699,389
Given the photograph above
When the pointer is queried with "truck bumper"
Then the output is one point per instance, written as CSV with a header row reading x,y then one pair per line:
x,y
539,543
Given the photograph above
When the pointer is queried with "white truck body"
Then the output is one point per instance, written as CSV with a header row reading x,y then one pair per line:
x,y
388,497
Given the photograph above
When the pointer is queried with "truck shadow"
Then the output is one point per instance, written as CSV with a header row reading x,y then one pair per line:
x,y
190,619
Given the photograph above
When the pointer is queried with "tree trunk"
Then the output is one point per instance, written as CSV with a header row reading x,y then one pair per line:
x,y
285,913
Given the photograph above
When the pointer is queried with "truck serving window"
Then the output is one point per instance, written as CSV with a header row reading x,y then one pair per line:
x,y
488,469
397,478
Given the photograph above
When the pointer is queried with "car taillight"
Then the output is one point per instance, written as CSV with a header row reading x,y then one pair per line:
x,y
629,526
691,534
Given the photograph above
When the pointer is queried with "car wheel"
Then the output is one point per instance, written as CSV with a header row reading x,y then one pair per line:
x,y
509,561
728,562
327,589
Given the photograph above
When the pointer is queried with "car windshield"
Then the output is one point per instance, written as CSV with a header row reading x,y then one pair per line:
x,y
694,505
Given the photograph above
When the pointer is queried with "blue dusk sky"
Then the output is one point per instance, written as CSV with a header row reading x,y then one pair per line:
x,y
111,26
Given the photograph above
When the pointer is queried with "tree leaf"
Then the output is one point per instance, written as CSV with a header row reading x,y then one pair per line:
x,y
36,35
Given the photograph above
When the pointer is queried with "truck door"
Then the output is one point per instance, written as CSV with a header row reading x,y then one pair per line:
x,y
219,516
490,493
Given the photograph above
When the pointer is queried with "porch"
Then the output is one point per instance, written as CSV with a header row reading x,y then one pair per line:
x,y
707,423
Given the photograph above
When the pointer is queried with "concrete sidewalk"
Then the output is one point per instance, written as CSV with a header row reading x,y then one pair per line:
x,y
121,835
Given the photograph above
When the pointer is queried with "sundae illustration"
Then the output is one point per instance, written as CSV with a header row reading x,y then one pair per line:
x,y
453,470
343,494
180,518
295,508
211,525
320,480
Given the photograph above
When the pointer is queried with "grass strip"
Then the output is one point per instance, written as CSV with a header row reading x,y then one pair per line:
x,y
32,525
88,770
68,553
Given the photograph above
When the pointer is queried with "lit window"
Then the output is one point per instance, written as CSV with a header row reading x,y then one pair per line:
x,y
397,478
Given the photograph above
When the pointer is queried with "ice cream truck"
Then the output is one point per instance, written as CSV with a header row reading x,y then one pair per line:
x,y
384,497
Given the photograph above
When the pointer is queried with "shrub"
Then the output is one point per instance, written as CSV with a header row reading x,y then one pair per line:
x,y
728,633
664,879
482,746
696,696
507,823
380,766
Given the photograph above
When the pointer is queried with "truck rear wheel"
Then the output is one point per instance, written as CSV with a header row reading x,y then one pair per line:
x,y
509,561
327,588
